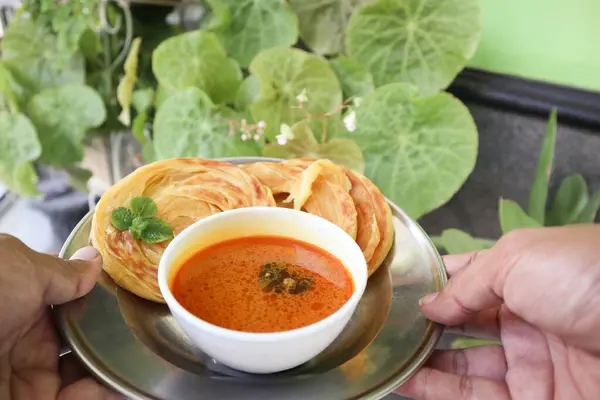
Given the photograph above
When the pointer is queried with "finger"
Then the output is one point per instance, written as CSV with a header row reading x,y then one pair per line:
x,y
87,389
66,280
431,384
456,262
475,288
483,325
71,370
484,362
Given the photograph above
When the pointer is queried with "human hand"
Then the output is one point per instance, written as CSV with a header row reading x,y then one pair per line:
x,y
539,292
29,344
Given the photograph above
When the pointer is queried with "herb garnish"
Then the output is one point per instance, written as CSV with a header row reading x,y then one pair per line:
x,y
276,277
141,222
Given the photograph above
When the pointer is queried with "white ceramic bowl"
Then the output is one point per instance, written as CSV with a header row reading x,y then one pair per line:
x,y
263,352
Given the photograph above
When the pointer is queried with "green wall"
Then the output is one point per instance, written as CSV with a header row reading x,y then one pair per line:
x,y
550,40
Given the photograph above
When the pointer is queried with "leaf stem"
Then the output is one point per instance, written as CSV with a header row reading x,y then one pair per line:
x,y
107,70
324,132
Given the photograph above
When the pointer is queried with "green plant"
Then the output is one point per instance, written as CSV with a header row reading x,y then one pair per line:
x,y
571,204
234,87
60,66
416,144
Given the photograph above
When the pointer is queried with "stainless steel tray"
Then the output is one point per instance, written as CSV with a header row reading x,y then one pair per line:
x,y
135,346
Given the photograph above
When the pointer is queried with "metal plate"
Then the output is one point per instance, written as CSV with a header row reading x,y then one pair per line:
x,y
135,346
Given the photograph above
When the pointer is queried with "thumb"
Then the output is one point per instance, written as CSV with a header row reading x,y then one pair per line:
x,y
474,286
66,280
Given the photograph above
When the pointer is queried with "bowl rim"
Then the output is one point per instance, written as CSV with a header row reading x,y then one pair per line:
x,y
359,277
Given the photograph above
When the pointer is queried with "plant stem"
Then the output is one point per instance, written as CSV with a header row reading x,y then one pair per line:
x,y
324,133
107,69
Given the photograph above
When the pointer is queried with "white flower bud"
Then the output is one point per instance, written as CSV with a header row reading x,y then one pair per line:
x,y
281,139
302,98
286,132
350,121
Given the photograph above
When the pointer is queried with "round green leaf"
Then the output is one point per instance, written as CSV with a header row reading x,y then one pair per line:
x,y
255,25
355,79
196,59
20,147
248,92
283,74
418,150
121,218
162,93
138,226
32,53
323,22
143,207
156,231
62,115
187,126
424,42
342,151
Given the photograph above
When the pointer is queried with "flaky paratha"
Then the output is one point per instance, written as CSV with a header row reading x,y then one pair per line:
x,y
185,190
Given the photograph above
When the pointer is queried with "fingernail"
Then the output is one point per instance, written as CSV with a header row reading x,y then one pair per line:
x,y
428,298
86,253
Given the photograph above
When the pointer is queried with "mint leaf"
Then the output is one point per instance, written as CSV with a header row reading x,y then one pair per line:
x,y
283,74
196,59
62,115
125,88
186,125
157,231
143,207
137,227
19,147
355,79
121,218
423,42
323,22
539,187
253,26
513,217
418,150
342,151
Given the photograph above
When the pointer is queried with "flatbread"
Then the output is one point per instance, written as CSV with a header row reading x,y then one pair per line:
x,y
185,191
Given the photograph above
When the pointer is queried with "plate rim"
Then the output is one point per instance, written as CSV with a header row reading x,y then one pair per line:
x,y
428,345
